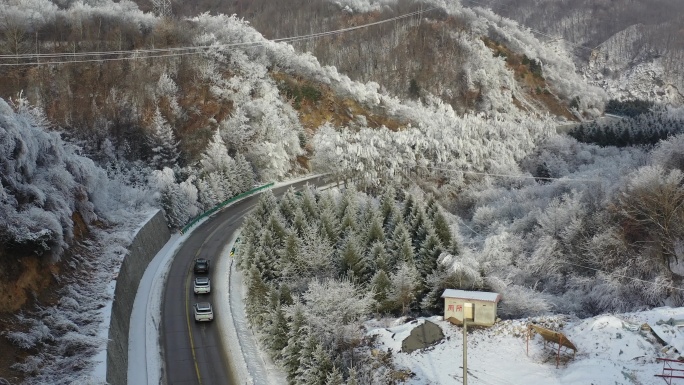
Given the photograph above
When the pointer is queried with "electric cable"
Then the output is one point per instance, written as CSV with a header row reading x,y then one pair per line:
x,y
181,51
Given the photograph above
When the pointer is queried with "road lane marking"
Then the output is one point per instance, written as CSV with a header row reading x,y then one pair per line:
x,y
187,307
187,317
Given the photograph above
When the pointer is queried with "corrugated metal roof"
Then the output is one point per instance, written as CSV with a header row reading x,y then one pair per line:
x,y
474,295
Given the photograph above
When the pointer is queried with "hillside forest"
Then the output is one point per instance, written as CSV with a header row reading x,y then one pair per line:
x,y
438,122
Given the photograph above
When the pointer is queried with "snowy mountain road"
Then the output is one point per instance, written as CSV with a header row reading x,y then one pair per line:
x,y
192,352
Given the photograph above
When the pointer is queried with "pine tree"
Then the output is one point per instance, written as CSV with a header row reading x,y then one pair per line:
x,y
289,255
381,285
245,174
430,250
329,225
401,246
276,225
218,172
256,298
288,205
298,335
276,326
267,204
349,220
300,223
250,230
285,295
178,200
162,143
353,378
334,377
408,207
419,227
378,258
314,363
348,211
352,262
392,220
374,232
387,204
310,205
405,283
215,156
442,229
431,208
440,279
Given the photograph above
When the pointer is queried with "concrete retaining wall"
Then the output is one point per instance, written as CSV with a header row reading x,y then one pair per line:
x,y
149,240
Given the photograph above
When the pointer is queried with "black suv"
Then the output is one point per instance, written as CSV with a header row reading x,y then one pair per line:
x,y
201,266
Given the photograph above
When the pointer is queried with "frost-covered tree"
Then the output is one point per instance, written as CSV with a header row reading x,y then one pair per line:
x,y
257,297
162,142
450,273
334,377
298,333
352,261
654,201
401,245
443,230
217,178
332,308
316,256
427,256
315,364
244,174
267,205
352,379
179,200
288,205
43,183
382,285
375,232
378,258
405,284
275,330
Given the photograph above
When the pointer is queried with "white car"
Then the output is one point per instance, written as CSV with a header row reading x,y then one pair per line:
x,y
203,312
202,285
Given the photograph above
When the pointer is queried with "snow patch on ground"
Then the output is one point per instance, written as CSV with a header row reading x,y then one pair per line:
x,y
612,349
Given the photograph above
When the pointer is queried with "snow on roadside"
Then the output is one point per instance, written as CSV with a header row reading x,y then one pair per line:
x,y
252,364
612,349
144,350
144,361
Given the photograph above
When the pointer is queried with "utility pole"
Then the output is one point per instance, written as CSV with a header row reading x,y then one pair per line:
x,y
465,351
468,315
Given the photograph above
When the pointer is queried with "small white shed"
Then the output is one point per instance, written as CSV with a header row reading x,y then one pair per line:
x,y
480,304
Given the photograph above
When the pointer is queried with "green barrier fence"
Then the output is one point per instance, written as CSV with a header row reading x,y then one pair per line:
x,y
220,205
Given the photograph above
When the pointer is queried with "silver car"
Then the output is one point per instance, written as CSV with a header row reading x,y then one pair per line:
x,y
203,312
202,285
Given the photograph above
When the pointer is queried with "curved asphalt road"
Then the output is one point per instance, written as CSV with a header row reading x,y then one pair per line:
x,y
191,351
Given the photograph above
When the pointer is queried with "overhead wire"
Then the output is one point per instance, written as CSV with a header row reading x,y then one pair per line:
x,y
537,32
179,51
519,176
623,276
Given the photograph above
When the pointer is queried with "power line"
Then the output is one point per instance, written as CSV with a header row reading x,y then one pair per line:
x,y
181,51
576,45
623,276
519,176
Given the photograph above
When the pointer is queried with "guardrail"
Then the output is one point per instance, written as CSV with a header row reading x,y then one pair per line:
x,y
220,205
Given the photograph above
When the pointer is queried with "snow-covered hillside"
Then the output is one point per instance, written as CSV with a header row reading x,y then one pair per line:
x,y
612,349
628,70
